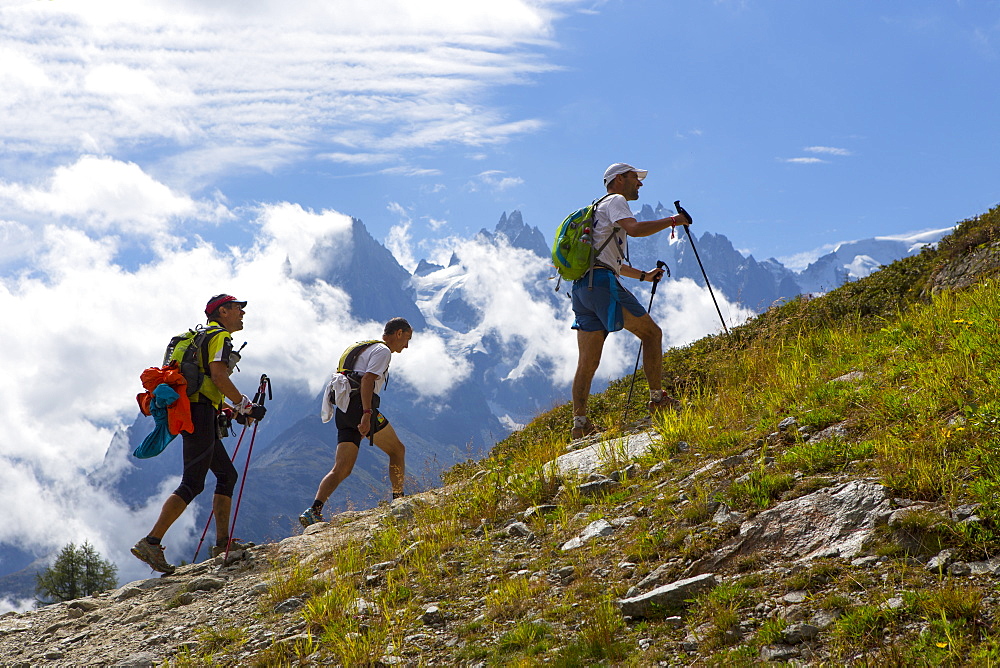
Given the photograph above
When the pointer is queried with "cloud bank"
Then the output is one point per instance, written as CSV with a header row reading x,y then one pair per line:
x,y
227,85
87,325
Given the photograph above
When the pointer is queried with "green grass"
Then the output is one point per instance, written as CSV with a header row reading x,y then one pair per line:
x,y
923,419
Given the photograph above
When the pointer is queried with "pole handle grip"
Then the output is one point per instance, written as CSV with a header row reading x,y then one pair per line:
x,y
660,264
681,212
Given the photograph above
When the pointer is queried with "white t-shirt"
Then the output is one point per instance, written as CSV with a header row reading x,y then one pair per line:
x,y
612,209
375,359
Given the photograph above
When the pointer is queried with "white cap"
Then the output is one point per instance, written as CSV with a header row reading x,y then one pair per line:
x,y
621,168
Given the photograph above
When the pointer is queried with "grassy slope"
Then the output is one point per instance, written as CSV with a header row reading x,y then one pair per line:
x,y
924,419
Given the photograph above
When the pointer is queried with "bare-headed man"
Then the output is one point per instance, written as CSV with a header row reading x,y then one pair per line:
x,y
354,387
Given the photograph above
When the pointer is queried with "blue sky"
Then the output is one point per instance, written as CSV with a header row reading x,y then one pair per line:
x,y
785,126
155,153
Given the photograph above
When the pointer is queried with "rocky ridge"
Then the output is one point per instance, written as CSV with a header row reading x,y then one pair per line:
x,y
245,612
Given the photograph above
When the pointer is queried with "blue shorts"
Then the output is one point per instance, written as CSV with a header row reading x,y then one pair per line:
x,y
600,309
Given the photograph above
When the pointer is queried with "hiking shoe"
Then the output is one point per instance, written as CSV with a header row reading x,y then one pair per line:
x,y
666,402
587,429
310,516
234,544
153,556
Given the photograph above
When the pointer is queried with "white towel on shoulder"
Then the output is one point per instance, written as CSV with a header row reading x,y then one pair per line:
x,y
339,388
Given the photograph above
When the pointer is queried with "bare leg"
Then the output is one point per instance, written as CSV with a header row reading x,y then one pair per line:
x,y
387,441
173,507
651,336
343,464
590,345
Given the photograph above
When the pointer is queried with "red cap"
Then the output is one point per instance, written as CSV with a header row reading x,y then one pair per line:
x,y
219,300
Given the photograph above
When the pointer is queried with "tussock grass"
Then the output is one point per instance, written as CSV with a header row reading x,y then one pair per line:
x,y
921,416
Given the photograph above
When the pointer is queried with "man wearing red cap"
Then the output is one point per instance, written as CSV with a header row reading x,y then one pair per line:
x,y
602,305
203,448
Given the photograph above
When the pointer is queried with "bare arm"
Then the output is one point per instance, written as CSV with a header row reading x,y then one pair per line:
x,y
635,228
648,275
367,391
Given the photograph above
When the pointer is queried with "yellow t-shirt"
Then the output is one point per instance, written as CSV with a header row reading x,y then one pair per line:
x,y
220,345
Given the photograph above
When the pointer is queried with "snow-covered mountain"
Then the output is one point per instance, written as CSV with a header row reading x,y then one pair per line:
x,y
758,284
852,260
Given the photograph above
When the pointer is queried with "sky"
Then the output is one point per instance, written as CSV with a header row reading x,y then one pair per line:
x,y
156,153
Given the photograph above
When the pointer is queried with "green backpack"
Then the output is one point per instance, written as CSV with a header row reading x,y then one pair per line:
x,y
189,350
573,252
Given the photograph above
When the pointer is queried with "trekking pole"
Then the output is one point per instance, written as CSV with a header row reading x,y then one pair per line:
x,y
660,264
265,386
677,205
211,514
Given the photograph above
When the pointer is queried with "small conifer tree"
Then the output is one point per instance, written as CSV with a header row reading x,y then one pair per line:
x,y
77,571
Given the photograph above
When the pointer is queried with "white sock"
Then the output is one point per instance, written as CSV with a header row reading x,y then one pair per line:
x,y
655,395
579,421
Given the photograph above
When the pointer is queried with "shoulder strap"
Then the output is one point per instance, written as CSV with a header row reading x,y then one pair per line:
x,y
614,228
203,338
351,355
611,236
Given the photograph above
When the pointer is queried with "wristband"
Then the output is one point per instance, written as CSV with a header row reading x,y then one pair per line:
x,y
642,276
367,411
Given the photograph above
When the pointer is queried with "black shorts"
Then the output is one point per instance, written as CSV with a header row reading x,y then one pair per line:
x,y
347,423
204,452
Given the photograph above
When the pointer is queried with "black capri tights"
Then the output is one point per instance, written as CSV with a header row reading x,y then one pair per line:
x,y
204,452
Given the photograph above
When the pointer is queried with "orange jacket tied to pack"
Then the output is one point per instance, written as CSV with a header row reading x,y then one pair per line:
x,y
179,412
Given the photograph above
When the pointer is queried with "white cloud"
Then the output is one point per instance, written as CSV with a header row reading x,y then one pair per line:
x,y
17,242
103,194
357,158
799,261
89,326
399,244
495,180
399,241
429,350
311,242
821,150
686,312
827,150
503,283
16,605
363,81
408,170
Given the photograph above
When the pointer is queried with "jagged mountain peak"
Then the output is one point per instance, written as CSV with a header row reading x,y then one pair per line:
x,y
518,234
424,267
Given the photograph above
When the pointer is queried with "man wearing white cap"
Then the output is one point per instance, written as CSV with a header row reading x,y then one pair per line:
x,y
602,305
